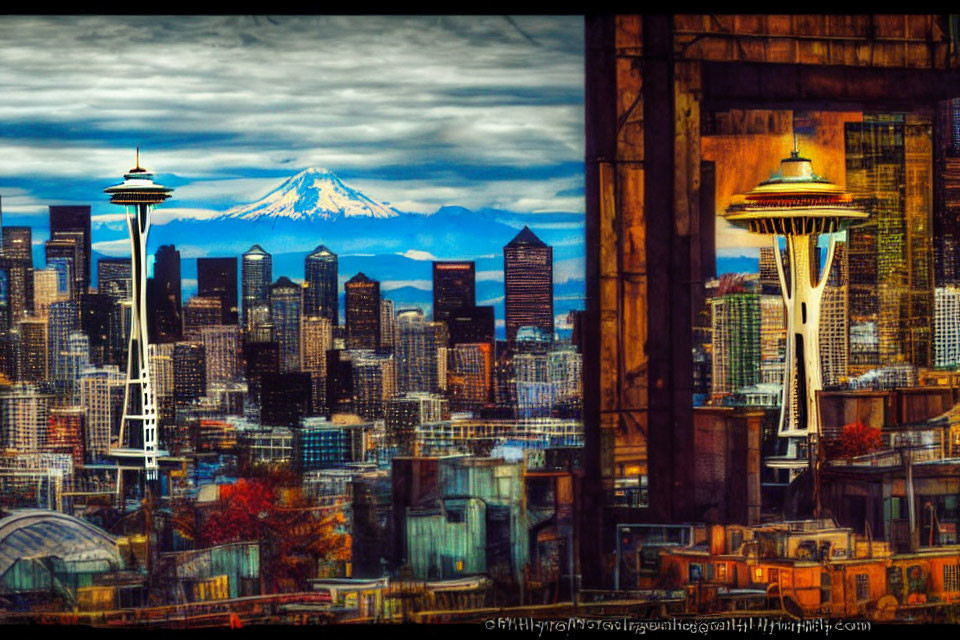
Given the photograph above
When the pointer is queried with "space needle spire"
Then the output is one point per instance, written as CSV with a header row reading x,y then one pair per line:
x,y
138,428
799,206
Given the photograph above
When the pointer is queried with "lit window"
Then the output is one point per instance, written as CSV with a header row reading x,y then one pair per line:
x,y
951,577
758,574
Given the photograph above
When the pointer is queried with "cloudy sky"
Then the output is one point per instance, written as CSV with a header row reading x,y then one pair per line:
x,y
420,112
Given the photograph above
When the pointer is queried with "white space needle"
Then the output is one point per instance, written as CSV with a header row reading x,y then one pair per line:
x,y
138,428
798,205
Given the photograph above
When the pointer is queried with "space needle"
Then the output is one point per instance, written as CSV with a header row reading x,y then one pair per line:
x,y
800,206
138,428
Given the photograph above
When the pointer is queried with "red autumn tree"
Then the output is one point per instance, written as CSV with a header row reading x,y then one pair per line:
x,y
295,532
857,439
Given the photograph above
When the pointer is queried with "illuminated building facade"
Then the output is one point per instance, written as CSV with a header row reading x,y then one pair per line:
x,y
65,221
320,274
889,167
362,301
286,302
528,284
256,274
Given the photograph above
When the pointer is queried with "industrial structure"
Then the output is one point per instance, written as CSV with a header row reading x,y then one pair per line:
x,y
657,87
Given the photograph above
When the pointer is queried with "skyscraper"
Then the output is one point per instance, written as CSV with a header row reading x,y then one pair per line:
x,y
113,277
96,311
98,391
68,246
165,296
286,299
23,417
773,339
316,338
74,219
469,325
18,256
221,347
321,296
200,312
454,287
63,320
415,352
45,291
256,274
32,350
736,342
947,327
189,372
362,301
470,378
835,320
373,384
889,166
386,324
528,284
217,277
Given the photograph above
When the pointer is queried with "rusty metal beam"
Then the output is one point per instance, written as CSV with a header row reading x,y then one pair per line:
x,y
793,86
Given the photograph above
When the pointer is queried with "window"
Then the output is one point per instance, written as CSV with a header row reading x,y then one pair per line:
x,y
951,577
825,584
721,571
696,572
773,575
863,586
895,582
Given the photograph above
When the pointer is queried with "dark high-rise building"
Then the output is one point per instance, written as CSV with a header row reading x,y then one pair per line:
x,y
260,359
18,257
284,398
96,310
74,219
113,277
286,298
164,297
415,351
200,312
454,287
321,296
32,351
470,325
362,301
217,277
189,372
339,382
946,212
65,254
256,274
528,284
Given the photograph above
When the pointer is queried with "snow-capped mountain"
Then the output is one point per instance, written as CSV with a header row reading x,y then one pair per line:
x,y
312,195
